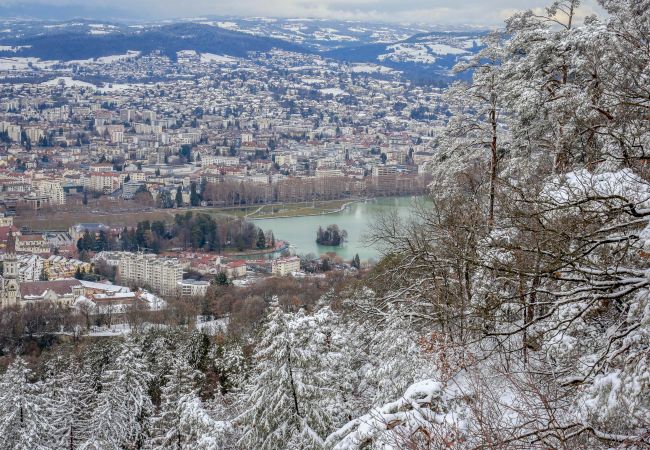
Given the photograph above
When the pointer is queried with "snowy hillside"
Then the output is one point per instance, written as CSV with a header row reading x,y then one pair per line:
x,y
414,50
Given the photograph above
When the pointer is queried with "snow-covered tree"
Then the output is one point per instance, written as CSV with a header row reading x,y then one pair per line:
x,y
23,410
420,417
394,359
476,124
289,399
550,301
70,397
170,429
123,406
231,364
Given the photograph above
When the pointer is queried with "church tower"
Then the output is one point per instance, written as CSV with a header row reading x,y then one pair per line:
x,y
10,284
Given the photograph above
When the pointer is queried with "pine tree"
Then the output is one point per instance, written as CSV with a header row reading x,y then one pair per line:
x,y
169,432
87,242
70,401
23,410
123,405
221,279
288,397
261,240
179,197
231,364
101,242
394,359
195,198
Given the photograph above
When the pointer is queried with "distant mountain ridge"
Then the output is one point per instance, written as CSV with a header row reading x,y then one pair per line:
x,y
433,53
417,52
66,45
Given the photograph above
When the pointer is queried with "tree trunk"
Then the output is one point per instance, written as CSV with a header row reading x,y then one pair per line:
x,y
493,166
293,387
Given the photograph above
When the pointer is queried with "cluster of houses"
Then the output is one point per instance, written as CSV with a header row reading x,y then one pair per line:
x,y
33,273
61,142
94,297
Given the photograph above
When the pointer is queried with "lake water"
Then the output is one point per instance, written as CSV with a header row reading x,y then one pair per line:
x,y
356,219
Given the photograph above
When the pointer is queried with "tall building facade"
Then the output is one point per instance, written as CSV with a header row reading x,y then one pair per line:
x,y
10,287
147,270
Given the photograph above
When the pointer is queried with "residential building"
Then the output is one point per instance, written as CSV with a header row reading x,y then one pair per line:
x,y
236,269
32,243
285,266
147,270
193,288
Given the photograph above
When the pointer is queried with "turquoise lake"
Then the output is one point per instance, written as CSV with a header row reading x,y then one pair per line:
x,y
357,219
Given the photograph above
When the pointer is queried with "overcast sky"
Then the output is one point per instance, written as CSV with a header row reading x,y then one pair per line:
x,y
483,12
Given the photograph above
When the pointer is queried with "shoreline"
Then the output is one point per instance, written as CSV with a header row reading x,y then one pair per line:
x,y
258,253
62,221
341,209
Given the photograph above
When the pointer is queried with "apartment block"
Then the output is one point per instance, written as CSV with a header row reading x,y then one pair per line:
x,y
147,270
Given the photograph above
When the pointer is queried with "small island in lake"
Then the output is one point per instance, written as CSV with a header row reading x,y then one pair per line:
x,y
332,236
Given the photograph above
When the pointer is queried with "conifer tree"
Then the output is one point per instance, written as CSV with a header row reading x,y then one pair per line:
x,y
180,387
70,402
179,197
289,394
23,412
123,405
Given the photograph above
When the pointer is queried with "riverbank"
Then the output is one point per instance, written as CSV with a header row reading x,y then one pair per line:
x,y
280,247
322,213
63,220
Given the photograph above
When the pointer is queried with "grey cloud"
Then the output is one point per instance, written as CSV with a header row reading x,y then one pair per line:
x,y
431,11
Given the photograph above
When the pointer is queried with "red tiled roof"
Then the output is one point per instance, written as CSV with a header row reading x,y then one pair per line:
x,y
28,237
238,263
36,288
4,232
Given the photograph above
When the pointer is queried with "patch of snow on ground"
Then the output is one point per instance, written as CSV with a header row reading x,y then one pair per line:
x,y
444,49
112,58
186,53
313,80
370,68
333,91
109,87
217,59
329,34
13,48
19,63
468,44
408,53
130,54
69,82
228,25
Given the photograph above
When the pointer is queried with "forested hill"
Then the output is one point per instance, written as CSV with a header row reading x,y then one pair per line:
x,y
417,52
513,312
76,43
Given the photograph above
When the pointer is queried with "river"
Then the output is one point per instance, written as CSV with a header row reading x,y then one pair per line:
x,y
356,219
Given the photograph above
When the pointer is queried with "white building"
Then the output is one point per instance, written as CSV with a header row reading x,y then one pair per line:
x,y
51,189
30,268
32,243
148,270
285,266
193,288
